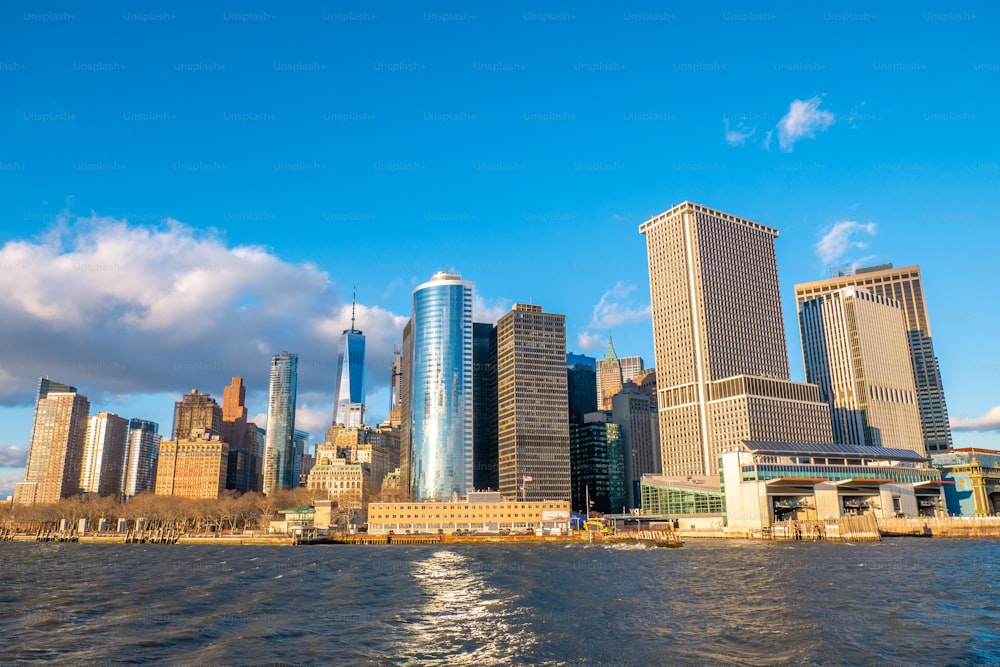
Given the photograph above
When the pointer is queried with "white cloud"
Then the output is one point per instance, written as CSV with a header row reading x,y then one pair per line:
x,y
988,422
842,238
488,312
588,341
7,483
117,309
617,306
804,119
12,456
738,136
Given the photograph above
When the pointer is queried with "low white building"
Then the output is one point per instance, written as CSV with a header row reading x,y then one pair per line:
x,y
481,512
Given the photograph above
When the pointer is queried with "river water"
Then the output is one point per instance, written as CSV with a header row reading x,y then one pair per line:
x,y
900,601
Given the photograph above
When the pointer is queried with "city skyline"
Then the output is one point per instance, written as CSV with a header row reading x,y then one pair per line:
x,y
563,139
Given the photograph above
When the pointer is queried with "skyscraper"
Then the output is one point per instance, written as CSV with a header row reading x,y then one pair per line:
x,y
196,411
484,390
395,417
104,454
581,386
598,464
721,360
855,348
441,385
244,463
141,457
194,466
405,410
349,392
905,286
612,372
630,409
532,405
278,455
55,454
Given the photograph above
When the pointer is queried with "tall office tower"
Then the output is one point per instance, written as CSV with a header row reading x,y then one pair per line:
x,y
300,449
609,377
646,381
240,475
104,454
485,475
721,361
532,405
196,411
405,410
630,410
856,349
581,386
258,441
395,417
598,464
193,467
441,407
349,392
141,457
55,454
278,454
905,286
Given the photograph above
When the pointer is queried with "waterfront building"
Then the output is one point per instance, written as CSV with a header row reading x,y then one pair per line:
x,y
532,405
440,403
279,452
480,512
195,466
597,458
673,497
104,454
55,454
581,386
973,477
196,411
719,340
486,471
770,483
905,286
630,409
855,348
141,457
349,391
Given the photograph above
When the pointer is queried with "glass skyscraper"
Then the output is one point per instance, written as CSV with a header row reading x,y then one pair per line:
x,y
141,458
349,392
278,453
441,383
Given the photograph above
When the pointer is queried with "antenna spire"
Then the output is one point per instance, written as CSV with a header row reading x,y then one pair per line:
x,y
354,302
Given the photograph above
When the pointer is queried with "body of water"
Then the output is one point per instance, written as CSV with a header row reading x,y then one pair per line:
x,y
902,601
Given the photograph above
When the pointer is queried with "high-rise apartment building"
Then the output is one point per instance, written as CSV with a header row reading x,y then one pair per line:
x,y
55,455
598,465
279,459
141,457
532,405
243,460
405,411
104,454
719,340
855,348
581,386
485,475
193,467
440,403
349,391
905,286
196,411
630,409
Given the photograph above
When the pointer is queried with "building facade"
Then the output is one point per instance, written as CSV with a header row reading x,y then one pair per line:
x,y
719,340
141,457
479,513
597,454
532,405
441,389
193,467
485,474
196,411
581,386
855,348
55,455
904,285
973,477
104,454
631,410
279,459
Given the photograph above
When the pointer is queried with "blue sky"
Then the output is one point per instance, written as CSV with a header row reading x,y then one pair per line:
x,y
188,189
